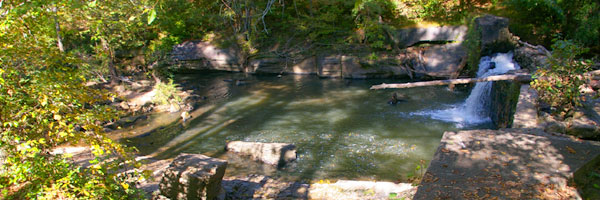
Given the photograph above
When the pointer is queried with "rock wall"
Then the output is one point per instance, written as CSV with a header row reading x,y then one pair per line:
x,y
434,60
504,98
407,37
205,56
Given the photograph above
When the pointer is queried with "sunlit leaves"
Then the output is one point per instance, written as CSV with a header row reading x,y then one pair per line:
x,y
44,102
151,16
559,84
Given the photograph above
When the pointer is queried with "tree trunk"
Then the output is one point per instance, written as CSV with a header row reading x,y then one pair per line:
x,y
59,43
517,77
111,66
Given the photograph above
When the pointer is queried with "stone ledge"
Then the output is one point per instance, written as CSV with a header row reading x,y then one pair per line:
x,y
511,163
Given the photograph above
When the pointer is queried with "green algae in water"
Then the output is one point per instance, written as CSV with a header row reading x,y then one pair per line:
x,y
342,129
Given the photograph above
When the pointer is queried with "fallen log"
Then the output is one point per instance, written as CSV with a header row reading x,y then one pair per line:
x,y
521,77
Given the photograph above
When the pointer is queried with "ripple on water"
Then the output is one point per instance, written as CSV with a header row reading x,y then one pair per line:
x,y
341,132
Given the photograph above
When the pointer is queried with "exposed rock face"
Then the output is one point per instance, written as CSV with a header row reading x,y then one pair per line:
x,y
584,127
193,176
329,66
205,56
410,36
282,66
494,35
437,60
443,60
270,153
306,66
531,57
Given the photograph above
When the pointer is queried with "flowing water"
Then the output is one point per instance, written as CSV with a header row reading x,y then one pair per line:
x,y
475,109
342,129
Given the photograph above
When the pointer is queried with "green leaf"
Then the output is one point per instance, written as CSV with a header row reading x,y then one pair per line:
x,y
151,16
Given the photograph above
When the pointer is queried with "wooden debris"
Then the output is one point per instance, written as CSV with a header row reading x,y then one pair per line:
x,y
522,77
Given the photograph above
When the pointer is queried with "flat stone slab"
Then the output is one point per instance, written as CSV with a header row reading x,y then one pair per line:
x,y
526,112
347,189
263,187
277,154
506,164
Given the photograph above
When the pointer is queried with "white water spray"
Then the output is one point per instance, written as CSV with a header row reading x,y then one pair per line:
x,y
475,110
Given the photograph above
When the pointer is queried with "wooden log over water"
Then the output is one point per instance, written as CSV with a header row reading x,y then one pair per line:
x,y
521,77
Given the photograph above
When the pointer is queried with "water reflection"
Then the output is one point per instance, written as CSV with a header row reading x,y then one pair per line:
x,y
341,130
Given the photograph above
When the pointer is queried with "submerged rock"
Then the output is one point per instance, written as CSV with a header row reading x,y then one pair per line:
x,y
270,153
193,176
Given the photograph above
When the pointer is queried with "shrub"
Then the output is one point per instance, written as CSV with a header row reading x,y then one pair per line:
x,y
45,108
166,93
558,85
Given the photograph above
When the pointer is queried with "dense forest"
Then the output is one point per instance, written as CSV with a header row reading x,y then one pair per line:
x,y
50,50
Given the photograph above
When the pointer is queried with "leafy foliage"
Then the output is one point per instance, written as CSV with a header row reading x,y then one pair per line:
x,y
166,93
541,20
559,84
45,103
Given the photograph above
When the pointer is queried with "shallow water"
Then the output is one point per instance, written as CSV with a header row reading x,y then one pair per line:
x,y
342,129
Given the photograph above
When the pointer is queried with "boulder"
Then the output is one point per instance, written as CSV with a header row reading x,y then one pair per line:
x,y
205,56
193,176
531,57
494,35
409,36
583,127
270,153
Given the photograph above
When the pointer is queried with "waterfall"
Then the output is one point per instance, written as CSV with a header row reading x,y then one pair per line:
x,y
475,109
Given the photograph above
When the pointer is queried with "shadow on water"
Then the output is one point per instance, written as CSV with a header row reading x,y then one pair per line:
x,y
341,130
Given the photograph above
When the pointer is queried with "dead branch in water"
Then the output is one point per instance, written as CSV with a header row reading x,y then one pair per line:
x,y
521,77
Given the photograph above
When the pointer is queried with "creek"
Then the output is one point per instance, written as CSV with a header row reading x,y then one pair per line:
x,y
342,129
